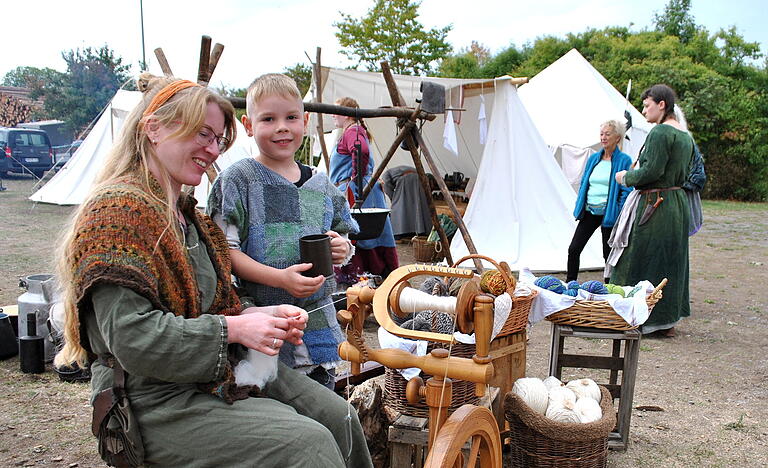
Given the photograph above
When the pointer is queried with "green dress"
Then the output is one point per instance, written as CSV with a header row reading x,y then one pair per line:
x,y
658,249
297,422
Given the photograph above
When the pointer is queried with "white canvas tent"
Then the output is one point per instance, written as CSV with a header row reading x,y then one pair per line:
x,y
521,205
568,101
72,182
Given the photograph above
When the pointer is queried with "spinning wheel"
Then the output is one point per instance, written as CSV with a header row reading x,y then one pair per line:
x,y
471,424
473,310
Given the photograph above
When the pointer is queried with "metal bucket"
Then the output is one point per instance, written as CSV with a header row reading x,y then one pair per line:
x,y
38,300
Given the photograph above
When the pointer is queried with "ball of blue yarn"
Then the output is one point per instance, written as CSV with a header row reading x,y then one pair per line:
x,y
571,292
594,287
572,285
550,283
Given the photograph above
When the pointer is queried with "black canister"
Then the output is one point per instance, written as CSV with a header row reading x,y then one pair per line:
x,y
9,345
31,348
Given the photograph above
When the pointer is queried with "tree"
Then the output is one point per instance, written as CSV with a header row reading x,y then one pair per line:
x,y
92,78
32,77
676,21
302,74
390,31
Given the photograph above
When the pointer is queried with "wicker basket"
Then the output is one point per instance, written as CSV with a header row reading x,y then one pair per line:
x,y
521,305
539,442
425,251
394,387
600,314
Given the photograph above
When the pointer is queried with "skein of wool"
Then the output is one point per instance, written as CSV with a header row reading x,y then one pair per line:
x,y
572,289
588,410
585,388
552,382
492,282
561,394
594,287
533,392
615,289
550,283
562,411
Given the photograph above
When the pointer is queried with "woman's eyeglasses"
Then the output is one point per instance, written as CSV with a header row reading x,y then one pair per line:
x,y
205,136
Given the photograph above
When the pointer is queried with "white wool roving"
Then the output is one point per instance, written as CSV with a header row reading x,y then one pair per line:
x,y
561,394
551,382
562,411
585,388
588,410
533,392
257,369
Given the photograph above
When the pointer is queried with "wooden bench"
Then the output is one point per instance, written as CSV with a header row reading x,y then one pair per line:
x,y
626,363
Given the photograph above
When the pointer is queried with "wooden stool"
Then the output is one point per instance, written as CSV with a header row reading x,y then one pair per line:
x,y
626,363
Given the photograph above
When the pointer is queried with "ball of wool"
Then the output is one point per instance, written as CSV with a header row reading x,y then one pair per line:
x,y
571,292
533,393
492,282
572,285
615,289
562,411
552,382
588,410
594,287
585,388
561,394
550,283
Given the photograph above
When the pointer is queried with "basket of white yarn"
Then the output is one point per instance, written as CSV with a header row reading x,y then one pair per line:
x,y
559,436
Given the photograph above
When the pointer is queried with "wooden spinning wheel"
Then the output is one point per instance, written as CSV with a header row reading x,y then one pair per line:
x,y
473,424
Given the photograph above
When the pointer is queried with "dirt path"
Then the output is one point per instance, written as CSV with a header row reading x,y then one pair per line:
x,y
711,380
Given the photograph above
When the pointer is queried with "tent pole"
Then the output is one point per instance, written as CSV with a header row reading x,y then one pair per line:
x,y
318,99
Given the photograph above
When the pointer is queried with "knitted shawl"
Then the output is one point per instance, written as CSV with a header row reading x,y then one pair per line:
x,y
271,215
116,242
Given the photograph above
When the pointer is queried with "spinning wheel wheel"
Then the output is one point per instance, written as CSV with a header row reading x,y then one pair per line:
x,y
472,424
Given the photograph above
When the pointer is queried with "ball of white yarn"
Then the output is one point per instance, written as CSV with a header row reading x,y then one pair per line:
x,y
588,410
551,382
562,411
533,392
561,394
585,388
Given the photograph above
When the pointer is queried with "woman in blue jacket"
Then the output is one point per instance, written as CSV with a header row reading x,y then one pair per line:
x,y
600,198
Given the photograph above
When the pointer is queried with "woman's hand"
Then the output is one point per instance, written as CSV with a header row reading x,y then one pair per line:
x,y
297,284
265,329
620,177
339,247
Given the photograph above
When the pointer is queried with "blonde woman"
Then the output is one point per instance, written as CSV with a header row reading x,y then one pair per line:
x,y
147,292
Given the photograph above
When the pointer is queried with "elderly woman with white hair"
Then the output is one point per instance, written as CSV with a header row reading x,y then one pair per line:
x,y
600,197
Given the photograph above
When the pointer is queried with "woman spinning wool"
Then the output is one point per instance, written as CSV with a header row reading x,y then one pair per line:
x,y
600,197
658,242
148,300
379,255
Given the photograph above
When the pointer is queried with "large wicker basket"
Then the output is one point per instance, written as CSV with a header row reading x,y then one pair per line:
x,y
539,442
394,387
425,251
600,314
521,305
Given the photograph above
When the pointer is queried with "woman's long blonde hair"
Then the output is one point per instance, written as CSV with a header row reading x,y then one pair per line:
x,y
130,155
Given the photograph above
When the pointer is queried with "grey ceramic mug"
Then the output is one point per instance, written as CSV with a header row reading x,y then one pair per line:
x,y
316,249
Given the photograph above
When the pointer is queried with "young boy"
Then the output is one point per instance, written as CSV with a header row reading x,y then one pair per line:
x,y
265,204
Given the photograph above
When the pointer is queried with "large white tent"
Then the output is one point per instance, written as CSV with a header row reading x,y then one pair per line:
x,y
568,101
521,207
72,182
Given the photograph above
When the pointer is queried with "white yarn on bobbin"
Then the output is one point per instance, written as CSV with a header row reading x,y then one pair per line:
x,y
413,300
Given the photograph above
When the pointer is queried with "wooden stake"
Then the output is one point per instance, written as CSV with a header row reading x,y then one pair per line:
x,y
319,99
205,56
163,62
218,49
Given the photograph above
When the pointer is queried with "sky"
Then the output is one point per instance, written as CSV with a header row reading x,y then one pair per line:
x,y
268,36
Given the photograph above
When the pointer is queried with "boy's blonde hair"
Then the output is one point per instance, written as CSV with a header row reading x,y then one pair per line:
x,y
271,84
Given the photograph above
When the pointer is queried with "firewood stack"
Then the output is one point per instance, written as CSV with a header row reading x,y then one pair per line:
x,y
13,111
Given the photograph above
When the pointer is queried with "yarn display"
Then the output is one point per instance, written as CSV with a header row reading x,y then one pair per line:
x,y
585,388
594,287
533,393
492,282
550,283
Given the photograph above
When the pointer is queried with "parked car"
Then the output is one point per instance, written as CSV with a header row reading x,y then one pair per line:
x,y
25,151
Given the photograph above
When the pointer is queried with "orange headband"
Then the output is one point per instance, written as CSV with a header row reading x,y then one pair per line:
x,y
166,93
